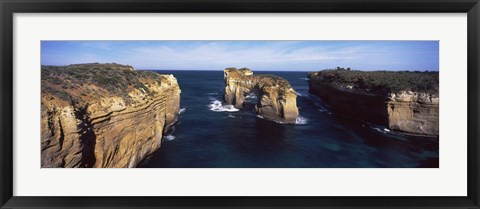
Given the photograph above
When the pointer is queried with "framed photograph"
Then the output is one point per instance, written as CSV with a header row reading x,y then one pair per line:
x,y
238,104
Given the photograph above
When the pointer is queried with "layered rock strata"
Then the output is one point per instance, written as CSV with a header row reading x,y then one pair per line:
x,y
401,101
277,100
104,115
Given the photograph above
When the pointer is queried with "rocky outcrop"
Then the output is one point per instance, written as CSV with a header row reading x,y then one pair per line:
x,y
401,101
104,115
276,98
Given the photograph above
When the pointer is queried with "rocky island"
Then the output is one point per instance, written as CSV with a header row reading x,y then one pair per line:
x,y
104,115
404,101
277,100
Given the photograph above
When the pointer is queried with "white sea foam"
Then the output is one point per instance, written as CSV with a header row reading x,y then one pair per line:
x,y
301,120
302,94
170,137
182,110
304,79
324,110
217,106
380,129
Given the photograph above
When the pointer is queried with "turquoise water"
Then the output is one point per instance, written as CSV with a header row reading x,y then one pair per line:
x,y
209,135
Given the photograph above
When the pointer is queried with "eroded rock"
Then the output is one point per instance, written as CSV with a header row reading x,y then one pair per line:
x,y
277,100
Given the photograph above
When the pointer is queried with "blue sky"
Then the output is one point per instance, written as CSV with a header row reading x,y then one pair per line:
x,y
256,55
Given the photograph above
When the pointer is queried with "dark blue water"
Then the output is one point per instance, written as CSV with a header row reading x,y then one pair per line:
x,y
204,138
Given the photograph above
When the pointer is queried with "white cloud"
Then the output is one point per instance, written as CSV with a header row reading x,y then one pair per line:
x,y
221,54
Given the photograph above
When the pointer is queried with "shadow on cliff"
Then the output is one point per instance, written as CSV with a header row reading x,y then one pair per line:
x,y
87,137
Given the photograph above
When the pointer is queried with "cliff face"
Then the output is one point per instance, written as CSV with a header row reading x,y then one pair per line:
x,y
401,101
414,112
104,115
276,98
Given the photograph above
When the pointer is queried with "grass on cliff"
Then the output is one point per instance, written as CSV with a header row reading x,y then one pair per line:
x,y
116,79
379,82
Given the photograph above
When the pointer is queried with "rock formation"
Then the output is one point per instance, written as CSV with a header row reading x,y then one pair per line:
x,y
276,98
104,115
401,101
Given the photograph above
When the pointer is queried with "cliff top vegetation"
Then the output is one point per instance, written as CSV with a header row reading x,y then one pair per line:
x,y
80,81
263,79
378,82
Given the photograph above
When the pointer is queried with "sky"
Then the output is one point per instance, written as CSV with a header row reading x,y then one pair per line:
x,y
256,55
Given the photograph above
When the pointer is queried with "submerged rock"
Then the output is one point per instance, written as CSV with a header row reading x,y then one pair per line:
x,y
104,115
402,101
276,98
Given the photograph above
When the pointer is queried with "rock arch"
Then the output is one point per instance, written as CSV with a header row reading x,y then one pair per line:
x,y
276,98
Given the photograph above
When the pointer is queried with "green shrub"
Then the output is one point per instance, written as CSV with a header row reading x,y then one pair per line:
x,y
380,82
114,78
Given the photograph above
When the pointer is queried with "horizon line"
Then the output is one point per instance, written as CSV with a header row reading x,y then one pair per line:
x,y
293,70
150,69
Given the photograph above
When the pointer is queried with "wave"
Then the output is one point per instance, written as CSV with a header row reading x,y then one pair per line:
x,y
217,106
169,137
261,117
301,120
302,94
251,96
182,110
304,79
380,129
322,107
324,110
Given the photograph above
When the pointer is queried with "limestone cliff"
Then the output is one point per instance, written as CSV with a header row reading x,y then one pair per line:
x,y
104,115
401,101
276,98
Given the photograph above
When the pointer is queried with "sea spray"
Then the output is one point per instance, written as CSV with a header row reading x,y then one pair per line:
x,y
301,120
217,106
182,110
169,137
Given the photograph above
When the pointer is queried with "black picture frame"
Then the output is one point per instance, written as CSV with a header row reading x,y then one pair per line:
x,y
9,7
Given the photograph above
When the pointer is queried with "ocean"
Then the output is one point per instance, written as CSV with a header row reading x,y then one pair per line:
x,y
210,135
